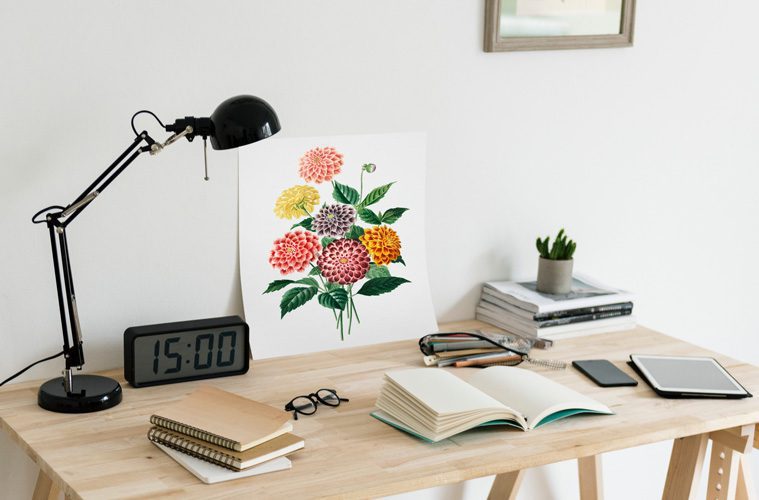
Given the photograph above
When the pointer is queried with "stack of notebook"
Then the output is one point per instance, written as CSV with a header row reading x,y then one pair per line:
x,y
590,307
212,426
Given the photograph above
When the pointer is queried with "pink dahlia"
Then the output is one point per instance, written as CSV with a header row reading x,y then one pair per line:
x,y
320,164
294,251
344,261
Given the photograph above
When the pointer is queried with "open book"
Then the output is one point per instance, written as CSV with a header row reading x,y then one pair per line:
x,y
433,404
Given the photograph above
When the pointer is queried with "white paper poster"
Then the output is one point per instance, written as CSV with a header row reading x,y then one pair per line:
x,y
332,244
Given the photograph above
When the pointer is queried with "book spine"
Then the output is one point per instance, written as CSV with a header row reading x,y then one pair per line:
x,y
194,432
625,307
193,449
583,318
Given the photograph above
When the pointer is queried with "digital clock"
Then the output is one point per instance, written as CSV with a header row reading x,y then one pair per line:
x,y
186,350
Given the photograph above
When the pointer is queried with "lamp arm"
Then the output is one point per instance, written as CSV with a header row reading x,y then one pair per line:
x,y
57,220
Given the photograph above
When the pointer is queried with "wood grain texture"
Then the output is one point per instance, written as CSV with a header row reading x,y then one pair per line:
x,y
723,473
745,489
685,465
591,478
349,454
740,439
506,486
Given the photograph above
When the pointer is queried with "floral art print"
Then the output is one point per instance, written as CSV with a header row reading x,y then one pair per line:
x,y
340,251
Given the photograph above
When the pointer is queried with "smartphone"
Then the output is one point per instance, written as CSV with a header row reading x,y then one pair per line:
x,y
603,373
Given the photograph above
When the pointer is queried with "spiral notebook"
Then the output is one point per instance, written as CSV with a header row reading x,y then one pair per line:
x,y
210,474
224,419
224,457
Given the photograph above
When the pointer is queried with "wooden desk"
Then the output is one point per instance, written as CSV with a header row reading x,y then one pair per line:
x,y
350,454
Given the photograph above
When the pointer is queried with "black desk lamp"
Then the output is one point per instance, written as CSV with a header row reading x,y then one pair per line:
x,y
236,122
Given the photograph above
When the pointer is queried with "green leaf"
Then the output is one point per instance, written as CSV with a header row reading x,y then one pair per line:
x,y
277,285
334,299
354,233
326,241
315,271
294,298
399,260
375,195
332,286
369,217
344,194
376,271
306,223
378,286
392,215
308,282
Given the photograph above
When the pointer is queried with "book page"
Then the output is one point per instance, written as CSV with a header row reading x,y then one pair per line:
x,y
442,392
532,394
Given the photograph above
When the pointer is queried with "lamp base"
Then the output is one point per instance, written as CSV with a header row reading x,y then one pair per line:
x,y
91,393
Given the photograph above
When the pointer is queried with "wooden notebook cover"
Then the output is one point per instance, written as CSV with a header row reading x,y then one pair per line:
x,y
240,420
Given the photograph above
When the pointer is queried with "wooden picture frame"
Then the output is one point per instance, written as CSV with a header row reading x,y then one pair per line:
x,y
496,43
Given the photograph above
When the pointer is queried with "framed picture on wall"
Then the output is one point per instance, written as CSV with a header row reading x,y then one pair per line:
x,y
558,24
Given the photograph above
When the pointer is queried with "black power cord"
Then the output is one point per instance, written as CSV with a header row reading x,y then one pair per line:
x,y
35,363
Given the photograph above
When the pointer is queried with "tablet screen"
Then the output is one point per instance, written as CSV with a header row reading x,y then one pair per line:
x,y
687,374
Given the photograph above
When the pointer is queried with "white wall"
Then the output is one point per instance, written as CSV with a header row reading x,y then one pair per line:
x,y
648,156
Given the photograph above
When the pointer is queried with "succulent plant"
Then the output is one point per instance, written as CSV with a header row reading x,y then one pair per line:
x,y
561,249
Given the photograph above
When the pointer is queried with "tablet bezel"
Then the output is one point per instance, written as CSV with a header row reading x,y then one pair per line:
x,y
639,360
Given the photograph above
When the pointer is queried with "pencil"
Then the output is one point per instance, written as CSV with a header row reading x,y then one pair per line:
x,y
487,360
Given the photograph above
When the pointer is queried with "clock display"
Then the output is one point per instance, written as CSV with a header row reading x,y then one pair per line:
x,y
189,350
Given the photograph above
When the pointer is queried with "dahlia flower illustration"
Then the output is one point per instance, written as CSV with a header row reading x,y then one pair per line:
x,y
344,262
334,220
383,244
320,164
353,231
294,251
296,202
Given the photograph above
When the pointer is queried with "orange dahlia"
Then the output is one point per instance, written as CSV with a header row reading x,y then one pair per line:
x,y
320,164
294,251
383,244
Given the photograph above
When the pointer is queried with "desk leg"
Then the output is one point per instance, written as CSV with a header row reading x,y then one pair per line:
x,y
506,486
45,489
745,490
685,466
591,480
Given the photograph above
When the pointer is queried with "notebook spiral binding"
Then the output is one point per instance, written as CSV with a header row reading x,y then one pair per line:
x,y
552,364
193,449
192,431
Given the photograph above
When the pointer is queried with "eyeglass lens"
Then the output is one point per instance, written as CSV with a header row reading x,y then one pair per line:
x,y
327,397
303,405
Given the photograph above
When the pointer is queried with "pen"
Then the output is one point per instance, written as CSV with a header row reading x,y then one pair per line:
x,y
485,360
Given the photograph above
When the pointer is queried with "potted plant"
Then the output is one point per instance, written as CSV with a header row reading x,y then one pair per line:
x,y
555,265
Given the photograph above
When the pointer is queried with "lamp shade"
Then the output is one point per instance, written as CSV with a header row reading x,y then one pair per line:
x,y
242,120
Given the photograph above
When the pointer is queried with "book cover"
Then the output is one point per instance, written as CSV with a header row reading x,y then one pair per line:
x,y
210,473
585,293
223,418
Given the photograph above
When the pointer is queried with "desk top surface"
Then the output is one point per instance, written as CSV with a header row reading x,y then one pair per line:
x,y
348,453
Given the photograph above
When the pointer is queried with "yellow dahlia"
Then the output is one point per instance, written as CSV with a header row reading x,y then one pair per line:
x,y
383,244
296,202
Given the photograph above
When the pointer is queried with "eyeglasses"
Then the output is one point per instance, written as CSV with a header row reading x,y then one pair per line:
x,y
306,405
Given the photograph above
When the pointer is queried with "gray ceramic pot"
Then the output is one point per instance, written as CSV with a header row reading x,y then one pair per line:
x,y
555,276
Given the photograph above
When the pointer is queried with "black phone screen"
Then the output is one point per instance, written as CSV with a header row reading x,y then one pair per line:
x,y
603,373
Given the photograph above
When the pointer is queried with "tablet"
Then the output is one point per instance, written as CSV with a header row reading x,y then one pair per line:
x,y
687,376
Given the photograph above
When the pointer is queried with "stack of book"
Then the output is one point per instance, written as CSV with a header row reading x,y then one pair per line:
x,y
589,308
218,436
